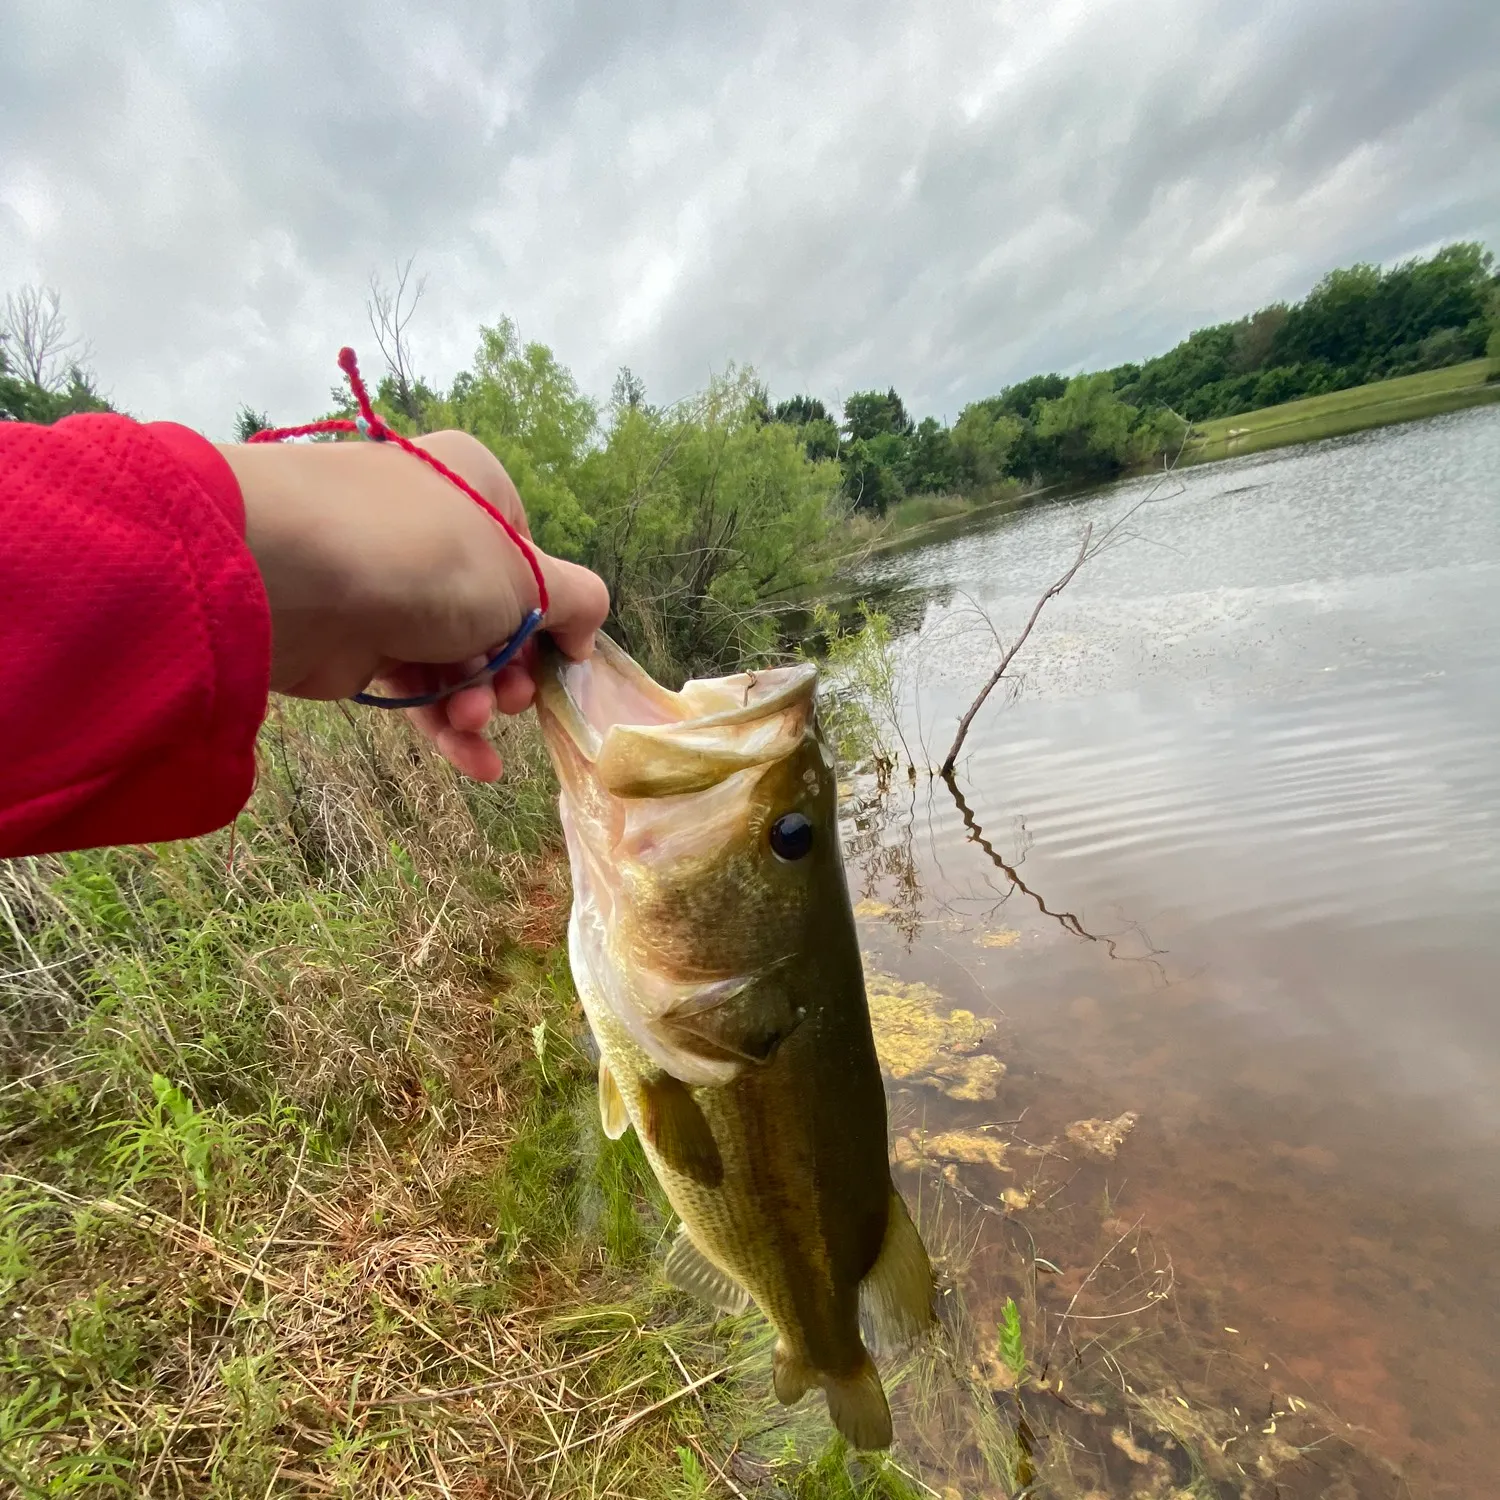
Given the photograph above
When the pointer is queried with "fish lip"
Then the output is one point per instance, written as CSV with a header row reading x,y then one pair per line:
x,y
551,671
615,725
675,714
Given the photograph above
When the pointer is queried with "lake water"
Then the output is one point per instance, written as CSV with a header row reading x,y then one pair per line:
x,y
1231,862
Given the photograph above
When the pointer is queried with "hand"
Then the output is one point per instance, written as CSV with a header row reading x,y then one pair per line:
x,y
375,567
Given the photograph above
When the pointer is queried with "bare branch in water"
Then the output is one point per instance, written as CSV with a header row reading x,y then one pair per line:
x,y
1053,589
1067,920
1087,548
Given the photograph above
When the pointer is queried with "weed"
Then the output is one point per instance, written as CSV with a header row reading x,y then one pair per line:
x,y
1012,1341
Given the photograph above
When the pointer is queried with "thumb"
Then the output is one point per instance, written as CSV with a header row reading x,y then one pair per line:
x,y
577,604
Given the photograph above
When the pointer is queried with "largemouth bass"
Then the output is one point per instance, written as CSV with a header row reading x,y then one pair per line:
x,y
713,946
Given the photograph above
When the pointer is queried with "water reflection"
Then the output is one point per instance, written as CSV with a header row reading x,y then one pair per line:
x,y
1067,920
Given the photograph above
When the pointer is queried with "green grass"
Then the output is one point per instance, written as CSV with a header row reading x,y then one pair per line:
x,y
1386,401
298,1134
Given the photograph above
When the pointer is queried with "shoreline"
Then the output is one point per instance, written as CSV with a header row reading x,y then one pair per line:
x,y
1383,403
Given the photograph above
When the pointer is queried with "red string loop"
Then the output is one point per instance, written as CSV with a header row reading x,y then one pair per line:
x,y
374,427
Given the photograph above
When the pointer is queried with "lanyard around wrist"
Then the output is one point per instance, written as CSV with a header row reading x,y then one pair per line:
x,y
370,425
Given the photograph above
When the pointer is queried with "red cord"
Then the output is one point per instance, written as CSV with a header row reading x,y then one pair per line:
x,y
372,426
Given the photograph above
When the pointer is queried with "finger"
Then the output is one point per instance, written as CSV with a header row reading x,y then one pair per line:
x,y
431,721
578,605
471,754
514,689
471,708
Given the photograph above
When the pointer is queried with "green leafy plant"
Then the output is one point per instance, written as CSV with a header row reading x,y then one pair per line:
x,y
1013,1341
172,1139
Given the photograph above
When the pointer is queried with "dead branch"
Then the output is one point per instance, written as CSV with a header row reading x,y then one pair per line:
x,y
34,335
1112,536
390,315
1051,592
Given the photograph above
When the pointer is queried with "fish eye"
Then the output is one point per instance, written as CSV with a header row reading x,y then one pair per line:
x,y
791,836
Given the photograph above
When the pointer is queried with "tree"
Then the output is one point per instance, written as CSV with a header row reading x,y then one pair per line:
x,y
42,375
248,421
984,438
390,311
1255,337
526,408
1021,399
628,392
820,439
700,518
871,414
798,411
929,464
870,483
34,335
820,435
1087,428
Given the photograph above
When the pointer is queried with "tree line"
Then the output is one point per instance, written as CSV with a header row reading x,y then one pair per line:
x,y
706,516
1357,325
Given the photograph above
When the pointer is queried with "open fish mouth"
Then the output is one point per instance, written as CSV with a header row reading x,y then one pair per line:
x,y
661,792
634,738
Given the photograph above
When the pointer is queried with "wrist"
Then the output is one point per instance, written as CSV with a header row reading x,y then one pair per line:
x,y
296,548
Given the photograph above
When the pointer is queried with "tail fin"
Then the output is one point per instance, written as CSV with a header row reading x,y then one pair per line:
x,y
858,1407
856,1403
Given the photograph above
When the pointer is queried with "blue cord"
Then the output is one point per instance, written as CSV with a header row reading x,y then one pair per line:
x,y
505,654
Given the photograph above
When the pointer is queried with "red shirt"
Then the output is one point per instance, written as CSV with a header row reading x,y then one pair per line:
x,y
135,642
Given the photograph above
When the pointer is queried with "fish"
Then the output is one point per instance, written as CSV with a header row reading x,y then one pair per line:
x,y
712,944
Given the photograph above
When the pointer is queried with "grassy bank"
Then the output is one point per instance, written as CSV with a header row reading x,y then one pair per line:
x,y
301,1185
905,522
1377,405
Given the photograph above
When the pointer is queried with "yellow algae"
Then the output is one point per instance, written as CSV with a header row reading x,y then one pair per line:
x,y
870,908
919,1040
1006,937
1123,1441
971,1147
1015,1198
1102,1137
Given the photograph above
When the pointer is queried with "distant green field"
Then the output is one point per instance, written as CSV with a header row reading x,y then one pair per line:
x,y
1401,400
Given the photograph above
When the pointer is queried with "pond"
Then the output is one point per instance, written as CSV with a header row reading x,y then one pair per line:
x,y
1225,857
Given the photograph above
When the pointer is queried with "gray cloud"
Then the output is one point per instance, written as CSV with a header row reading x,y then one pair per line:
x,y
944,197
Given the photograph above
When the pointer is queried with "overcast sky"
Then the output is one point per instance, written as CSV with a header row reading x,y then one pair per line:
x,y
946,197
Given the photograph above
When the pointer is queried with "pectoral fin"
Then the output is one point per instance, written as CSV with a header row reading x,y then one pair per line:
x,y
612,1109
896,1295
677,1128
691,1271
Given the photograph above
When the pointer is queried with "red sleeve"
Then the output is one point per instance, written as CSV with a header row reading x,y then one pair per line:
x,y
135,642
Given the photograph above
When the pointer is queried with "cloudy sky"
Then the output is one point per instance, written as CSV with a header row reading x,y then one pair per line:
x,y
944,196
